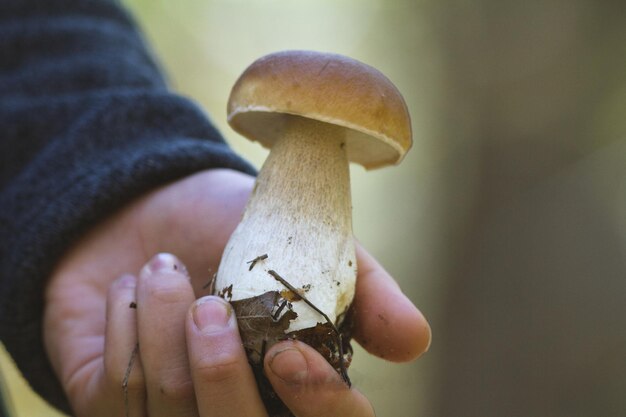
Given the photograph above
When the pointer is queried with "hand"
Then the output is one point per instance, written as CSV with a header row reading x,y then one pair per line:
x,y
184,368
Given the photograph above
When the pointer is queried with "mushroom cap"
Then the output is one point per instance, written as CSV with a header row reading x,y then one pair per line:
x,y
329,88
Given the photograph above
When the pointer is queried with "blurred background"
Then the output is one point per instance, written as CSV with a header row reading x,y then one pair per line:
x,y
506,223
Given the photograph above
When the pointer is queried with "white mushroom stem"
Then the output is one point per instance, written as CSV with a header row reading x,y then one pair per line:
x,y
299,215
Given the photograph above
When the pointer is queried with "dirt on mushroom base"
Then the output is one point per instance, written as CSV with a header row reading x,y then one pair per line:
x,y
263,321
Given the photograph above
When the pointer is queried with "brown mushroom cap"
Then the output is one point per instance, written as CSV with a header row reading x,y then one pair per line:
x,y
326,87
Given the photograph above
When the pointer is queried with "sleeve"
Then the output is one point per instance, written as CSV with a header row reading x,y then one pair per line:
x,y
86,125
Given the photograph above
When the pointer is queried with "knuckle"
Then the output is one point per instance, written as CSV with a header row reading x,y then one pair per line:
x,y
225,369
176,391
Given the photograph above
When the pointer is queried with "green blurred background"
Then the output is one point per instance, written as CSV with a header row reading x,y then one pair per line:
x,y
506,223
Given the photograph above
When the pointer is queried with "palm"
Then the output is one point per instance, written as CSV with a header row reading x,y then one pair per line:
x,y
192,218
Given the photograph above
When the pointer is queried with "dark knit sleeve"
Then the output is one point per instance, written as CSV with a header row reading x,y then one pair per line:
x,y
86,125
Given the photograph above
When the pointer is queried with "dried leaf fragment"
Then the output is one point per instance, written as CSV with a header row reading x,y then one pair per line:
x,y
263,321
258,326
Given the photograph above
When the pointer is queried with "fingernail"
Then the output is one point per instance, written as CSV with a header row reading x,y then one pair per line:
x,y
164,262
211,314
430,338
290,365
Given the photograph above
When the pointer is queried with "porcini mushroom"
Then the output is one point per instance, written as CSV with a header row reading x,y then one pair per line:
x,y
316,111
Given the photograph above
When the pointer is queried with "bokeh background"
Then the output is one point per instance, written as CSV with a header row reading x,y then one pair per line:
x,y
506,223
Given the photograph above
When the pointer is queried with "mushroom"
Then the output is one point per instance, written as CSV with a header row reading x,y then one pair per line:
x,y
316,111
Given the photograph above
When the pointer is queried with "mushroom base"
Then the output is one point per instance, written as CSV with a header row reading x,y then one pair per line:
x,y
262,323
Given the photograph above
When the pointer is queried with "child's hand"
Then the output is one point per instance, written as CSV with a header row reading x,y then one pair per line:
x,y
190,358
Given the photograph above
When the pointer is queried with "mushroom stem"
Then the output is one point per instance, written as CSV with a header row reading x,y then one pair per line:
x,y
299,215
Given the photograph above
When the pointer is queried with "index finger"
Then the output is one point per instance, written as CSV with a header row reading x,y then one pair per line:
x,y
388,325
223,380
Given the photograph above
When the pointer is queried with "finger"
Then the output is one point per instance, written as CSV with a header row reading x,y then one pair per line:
x,y
123,371
309,386
388,325
223,379
164,295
